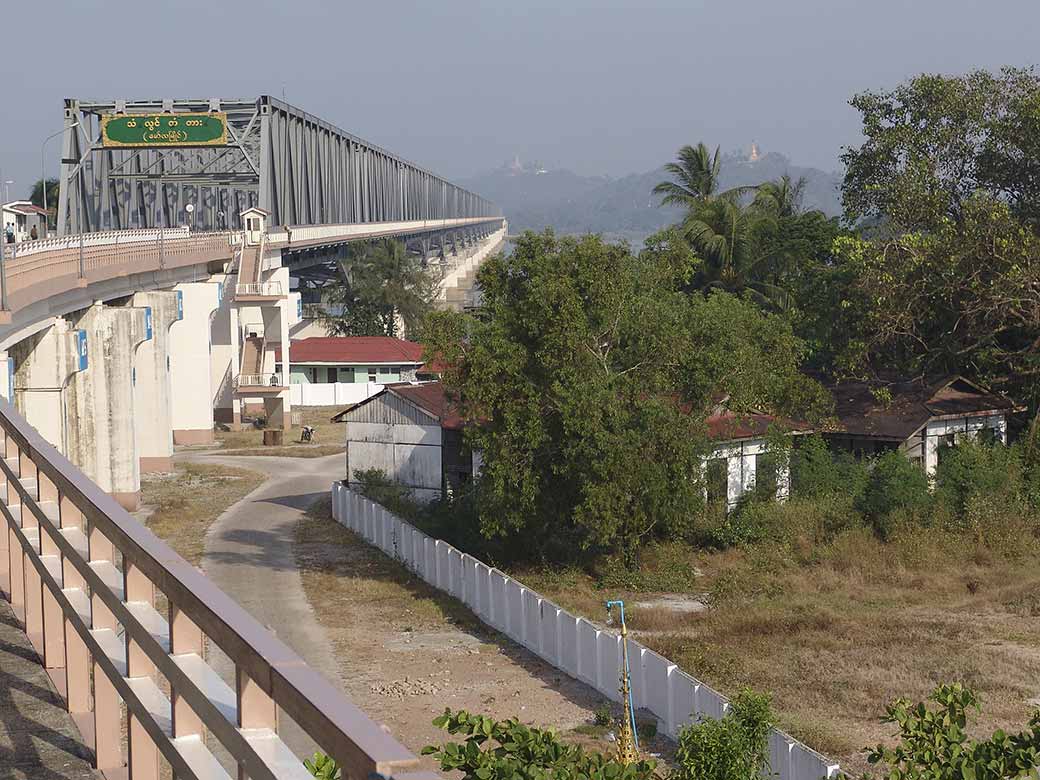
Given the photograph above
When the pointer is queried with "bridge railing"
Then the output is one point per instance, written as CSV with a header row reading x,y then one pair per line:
x,y
33,271
272,379
310,233
120,620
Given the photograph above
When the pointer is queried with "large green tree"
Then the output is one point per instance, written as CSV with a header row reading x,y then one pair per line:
x,y
380,288
587,377
947,277
936,141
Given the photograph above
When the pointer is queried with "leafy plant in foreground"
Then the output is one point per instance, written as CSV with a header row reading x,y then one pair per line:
x,y
934,745
323,767
510,750
733,747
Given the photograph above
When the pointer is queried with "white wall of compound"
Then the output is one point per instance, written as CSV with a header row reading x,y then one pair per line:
x,y
571,644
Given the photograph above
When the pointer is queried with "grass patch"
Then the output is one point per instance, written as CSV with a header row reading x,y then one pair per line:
x,y
339,568
188,501
837,627
326,434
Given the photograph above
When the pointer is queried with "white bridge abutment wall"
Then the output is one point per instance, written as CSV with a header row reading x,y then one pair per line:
x,y
191,385
151,379
571,644
99,407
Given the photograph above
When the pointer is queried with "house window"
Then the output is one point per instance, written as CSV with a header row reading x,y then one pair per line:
x,y
765,475
372,374
333,375
716,479
312,372
988,436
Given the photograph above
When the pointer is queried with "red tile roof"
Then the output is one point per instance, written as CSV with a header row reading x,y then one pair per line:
x,y
24,208
352,350
729,426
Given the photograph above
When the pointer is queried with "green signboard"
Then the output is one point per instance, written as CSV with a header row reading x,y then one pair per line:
x,y
164,130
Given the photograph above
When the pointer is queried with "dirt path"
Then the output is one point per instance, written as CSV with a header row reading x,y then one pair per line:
x,y
400,650
405,651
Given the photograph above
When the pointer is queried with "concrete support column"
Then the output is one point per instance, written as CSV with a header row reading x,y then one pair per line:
x,y
101,434
226,339
42,366
191,387
152,398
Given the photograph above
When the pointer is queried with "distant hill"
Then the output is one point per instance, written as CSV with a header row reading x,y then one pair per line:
x,y
534,198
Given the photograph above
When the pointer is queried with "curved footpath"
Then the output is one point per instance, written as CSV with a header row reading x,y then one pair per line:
x,y
249,555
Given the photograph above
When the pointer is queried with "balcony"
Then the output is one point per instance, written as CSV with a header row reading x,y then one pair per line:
x,y
259,292
260,384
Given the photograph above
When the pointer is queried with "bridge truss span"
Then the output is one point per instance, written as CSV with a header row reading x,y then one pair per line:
x,y
301,169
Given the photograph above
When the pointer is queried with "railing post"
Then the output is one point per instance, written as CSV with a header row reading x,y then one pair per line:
x,y
256,710
81,273
77,657
108,733
142,751
185,638
16,554
53,617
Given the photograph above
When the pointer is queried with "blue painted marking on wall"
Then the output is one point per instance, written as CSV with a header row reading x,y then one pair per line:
x,y
10,379
147,323
220,292
299,308
180,304
81,348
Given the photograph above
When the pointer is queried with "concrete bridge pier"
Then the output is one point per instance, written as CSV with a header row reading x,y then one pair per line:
x,y
101,434
152,397
225,341
191,388
44,363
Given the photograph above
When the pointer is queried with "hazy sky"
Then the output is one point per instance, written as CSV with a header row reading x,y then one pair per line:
x,y
598,87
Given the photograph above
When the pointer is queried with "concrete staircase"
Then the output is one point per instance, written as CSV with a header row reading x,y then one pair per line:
x,y
252,356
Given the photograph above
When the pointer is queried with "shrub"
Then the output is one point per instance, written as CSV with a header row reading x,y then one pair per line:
x,y
509,750
816,471
976,470
895,485
1029,451
933,743
602,715
395,497
734,747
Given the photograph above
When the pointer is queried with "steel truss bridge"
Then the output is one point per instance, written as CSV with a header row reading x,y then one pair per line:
x,y
301,169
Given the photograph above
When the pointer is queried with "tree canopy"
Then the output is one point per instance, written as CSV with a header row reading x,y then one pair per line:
x,y
380,289
589,374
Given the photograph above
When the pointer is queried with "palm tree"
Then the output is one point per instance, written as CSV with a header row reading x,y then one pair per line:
x,y
696,179
782,197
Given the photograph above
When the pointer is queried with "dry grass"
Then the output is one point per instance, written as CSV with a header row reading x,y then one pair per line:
x,y
291,451
838,629
328,437
338,567
187,502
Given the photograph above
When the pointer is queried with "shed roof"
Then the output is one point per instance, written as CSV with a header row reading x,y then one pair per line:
x,y
352,350
863,410
724,425
430,397
24,208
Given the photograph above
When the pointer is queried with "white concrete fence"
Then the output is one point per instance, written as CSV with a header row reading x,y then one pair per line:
x,y
331,393
573,645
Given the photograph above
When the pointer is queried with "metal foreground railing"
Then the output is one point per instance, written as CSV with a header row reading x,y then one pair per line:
x,y
83,577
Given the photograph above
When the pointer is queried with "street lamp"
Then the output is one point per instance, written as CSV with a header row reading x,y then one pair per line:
x,y
43,174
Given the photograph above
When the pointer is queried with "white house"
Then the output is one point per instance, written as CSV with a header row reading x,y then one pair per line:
x,y
919,418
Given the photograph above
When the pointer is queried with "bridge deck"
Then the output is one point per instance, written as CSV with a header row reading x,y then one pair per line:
x,y
37,738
